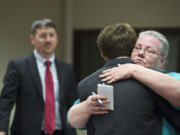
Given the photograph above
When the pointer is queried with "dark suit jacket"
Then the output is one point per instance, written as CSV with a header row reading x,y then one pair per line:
x,y
137,108
22,86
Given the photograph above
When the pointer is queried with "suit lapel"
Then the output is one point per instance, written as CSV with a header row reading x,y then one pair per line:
x,y
33,70
60,79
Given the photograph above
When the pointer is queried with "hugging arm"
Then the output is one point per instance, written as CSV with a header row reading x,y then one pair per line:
x,y
79,114
164,85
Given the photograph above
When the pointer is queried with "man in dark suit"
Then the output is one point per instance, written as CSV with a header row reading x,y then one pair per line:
x,y
137,110
41,86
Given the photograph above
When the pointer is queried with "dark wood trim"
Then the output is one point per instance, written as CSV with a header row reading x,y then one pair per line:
x,y
78,35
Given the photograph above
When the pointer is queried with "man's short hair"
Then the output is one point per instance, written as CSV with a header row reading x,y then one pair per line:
x,y
117,40
45,22
164,50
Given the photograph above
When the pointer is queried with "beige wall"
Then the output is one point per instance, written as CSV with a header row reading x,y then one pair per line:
x,y
16,17
98,13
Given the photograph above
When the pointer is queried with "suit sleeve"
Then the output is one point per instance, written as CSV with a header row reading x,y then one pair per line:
x,y
169,112
8,94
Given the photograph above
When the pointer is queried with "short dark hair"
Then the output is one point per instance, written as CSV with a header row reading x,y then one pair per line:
x,y
40,23
117,40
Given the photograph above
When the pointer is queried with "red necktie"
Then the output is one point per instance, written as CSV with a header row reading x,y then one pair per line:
x,y
49,121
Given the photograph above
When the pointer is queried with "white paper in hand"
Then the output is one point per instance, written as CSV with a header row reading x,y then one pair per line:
x,y
107,91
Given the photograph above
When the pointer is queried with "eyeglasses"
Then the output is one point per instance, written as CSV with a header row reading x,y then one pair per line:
x,y
147,51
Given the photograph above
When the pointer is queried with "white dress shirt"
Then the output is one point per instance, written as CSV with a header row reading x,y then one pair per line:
x,y
42,68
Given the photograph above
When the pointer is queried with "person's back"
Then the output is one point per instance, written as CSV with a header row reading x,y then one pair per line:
x,y
137,109
134,111
158,82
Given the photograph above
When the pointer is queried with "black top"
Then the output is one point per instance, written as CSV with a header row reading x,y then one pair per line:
x,y
137,109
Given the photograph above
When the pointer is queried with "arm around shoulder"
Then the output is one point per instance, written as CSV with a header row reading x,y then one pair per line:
x,y
164,85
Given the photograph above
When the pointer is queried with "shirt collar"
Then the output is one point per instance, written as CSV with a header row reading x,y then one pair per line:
x,y
42,59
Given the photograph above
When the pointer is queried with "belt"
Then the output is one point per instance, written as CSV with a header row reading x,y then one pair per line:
x,y
56,132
